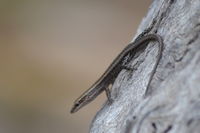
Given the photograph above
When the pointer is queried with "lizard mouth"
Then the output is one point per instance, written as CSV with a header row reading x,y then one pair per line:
x,y
75,108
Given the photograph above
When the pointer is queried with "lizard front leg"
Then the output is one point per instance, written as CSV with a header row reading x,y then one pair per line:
x,y
108,94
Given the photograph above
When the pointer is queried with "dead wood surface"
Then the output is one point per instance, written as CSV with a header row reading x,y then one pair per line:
x,y
173,102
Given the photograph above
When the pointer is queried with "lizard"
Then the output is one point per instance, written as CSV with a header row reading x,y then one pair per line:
x,y
114,69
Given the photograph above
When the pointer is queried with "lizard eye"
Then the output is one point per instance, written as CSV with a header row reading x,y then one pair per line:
x,y
76,104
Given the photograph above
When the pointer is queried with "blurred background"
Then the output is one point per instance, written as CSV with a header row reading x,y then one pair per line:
x,y
53,50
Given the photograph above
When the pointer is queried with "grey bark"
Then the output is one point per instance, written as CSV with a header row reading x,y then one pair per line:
x,y
173,102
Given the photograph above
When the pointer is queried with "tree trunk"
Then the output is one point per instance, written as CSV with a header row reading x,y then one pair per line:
x,y
172,103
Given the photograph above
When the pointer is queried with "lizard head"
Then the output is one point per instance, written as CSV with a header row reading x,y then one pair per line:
x,y
75,107
87,96
80,102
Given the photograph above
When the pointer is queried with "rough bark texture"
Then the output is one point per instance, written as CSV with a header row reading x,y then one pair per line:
x,y
173,102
